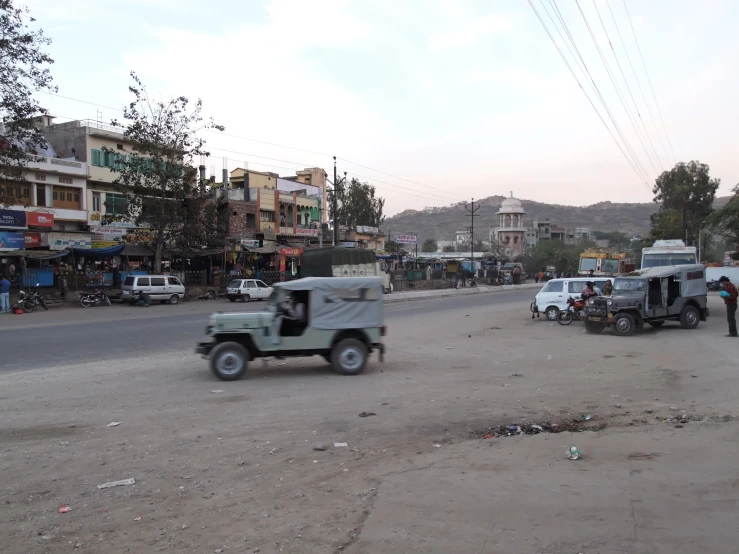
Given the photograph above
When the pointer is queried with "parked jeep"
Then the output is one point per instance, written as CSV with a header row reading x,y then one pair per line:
x,y
338,318
653,296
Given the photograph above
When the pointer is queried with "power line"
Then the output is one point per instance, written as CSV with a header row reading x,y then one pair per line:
x,y
221,133
644,175
638,83
628,88
659,111
567,63
615,84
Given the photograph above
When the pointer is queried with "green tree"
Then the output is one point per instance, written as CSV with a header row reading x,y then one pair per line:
x,y
357,204
158,178
429,245
724,222
449,248
479,246
553,252
23,67
686,194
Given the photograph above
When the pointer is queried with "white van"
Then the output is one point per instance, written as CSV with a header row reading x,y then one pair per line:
x,y
554,295
164,288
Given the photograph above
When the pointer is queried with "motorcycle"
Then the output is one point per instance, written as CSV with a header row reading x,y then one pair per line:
x,y
25,303
94,298
473,283
36,299
573,312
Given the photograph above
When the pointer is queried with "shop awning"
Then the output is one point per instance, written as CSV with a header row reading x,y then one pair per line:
x,y
137,250
98,252
259,249
37,254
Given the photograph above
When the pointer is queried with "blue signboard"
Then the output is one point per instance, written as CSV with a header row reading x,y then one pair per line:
x,y
13,218
12,241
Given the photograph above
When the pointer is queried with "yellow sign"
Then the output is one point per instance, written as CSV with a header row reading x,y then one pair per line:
x,y
104,244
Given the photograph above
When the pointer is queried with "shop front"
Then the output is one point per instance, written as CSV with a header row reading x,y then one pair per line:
x,y
290,263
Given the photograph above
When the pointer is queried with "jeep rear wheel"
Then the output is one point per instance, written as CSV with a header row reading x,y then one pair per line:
x,y
624,325
228,361
349,357
690,317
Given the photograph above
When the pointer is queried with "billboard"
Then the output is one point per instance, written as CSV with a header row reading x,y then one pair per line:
x,y
40,219
250,243
368,230
405,239
10,240
62,241
13,218
301,231
34,240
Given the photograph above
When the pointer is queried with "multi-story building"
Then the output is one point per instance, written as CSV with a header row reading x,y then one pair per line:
x,y
48,208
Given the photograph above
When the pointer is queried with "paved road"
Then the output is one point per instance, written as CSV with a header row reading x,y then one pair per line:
x,y
155,332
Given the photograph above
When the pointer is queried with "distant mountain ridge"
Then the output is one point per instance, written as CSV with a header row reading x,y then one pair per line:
x,y
443,223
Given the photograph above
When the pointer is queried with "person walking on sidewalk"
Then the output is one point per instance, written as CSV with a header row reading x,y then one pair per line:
x,y
4,295
729,294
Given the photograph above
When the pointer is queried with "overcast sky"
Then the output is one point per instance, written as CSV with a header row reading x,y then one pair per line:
x,y
439,100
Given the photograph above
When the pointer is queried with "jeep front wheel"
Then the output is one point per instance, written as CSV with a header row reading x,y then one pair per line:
x,y
594,327
624,324
228,361
349,357
690,317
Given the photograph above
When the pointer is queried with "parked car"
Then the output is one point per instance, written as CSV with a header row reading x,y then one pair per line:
x,y
248,289
343,323
553,297
652,296
164,288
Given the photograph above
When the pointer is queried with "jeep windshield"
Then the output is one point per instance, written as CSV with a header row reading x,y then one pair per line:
x,y
629,285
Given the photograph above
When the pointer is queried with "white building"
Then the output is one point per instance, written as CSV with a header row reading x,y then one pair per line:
x,y
510,234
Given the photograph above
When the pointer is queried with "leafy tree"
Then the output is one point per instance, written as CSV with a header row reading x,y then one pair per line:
x,y
686,194
725,221
429,245
23,70
357,204
159,177
553,252
448,248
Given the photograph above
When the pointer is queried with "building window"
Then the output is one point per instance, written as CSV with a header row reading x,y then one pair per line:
x,y
15,194
95,201
116,204
97,158
65,180
40,177
66,197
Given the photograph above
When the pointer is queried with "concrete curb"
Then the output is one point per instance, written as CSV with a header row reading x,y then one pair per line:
x,y
398,297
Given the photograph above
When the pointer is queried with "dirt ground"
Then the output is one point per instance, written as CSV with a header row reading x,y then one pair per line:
x,y
231,467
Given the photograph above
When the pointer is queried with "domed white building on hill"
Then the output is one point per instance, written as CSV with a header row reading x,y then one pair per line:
x,y
510,233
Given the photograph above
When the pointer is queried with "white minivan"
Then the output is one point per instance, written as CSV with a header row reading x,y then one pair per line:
x,y
554,295
164,288
248,289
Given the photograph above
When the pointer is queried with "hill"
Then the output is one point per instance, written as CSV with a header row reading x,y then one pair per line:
x,y
443,223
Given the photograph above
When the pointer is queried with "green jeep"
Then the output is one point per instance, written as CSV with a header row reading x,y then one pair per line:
x,y
338,318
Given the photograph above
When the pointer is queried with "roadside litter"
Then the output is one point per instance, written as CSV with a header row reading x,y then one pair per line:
x,y
114,423
340,445
586,417
572,452
121,483
367,414
64,509
319,447
573,426
217,390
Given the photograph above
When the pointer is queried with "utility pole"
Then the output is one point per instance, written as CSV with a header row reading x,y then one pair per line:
x,y
472,210
336,208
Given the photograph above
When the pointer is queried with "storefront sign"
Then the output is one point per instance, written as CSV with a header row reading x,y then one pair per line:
x,y
62,241
405,239
111,232
13,218
368,230
139,236
306,232
291,252
11,241
104,243
95,219
250,243
348,244
35,240
40,219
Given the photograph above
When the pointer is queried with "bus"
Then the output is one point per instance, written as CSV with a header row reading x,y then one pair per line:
x,y
668,252
602,262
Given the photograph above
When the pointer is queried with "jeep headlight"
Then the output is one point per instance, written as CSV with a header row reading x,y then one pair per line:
x,y
610,302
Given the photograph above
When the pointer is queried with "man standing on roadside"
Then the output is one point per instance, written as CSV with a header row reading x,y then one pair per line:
x,y
729,294
4,295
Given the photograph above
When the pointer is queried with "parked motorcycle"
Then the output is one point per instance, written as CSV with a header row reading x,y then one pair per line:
x,y
93,298
25,303
573,312
37,299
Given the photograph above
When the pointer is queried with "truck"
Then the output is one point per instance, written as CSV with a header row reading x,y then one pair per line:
x,y
344,262
668,252
603,262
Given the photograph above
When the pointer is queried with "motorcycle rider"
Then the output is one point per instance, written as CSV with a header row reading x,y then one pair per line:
x,y
589,290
